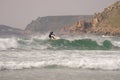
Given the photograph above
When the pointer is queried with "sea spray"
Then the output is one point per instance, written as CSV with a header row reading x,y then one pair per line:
x,y
7,43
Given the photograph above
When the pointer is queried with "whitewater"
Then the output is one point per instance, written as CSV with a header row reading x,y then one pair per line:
x,y
81,52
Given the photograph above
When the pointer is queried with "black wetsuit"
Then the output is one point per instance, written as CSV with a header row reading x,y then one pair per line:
x,y
51,35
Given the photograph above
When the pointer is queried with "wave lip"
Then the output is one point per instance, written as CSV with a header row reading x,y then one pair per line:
x,y
61,44
81,44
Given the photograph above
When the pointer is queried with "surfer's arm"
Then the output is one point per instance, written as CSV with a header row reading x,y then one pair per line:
x,y
53,34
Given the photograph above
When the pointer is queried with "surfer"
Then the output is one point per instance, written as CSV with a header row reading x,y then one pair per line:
x,y
52,35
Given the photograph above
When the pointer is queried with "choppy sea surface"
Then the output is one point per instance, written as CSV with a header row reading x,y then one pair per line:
x,y
80,52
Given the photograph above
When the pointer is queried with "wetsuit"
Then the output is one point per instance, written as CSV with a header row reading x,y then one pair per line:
x,y
51,35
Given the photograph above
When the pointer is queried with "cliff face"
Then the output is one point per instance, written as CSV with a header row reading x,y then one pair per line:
x,y
81,26
53,23
105,23
108,21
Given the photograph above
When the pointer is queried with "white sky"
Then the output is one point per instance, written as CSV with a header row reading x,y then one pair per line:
x,y
19,13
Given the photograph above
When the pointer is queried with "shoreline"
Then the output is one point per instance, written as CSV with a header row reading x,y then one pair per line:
x,y
59,74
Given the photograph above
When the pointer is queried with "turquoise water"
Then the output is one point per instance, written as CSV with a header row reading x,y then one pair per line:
x,y
94,53
64,44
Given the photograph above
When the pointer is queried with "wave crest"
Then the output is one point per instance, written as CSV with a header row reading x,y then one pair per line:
x,y
7,43
38,44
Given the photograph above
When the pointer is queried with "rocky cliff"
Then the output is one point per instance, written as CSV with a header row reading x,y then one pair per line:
x,y
104,23
108,21
79,27
53,23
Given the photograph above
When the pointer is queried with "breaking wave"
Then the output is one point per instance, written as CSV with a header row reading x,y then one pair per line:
x,y
94,60
66,44
8,43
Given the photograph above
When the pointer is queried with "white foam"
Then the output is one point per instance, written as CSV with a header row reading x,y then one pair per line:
x,y
83,63
6,43
110,60
19,65
116,43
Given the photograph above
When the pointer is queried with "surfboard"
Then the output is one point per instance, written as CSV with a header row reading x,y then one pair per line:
x,y
55,37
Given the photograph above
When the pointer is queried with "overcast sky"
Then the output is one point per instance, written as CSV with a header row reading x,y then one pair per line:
x,y
19,13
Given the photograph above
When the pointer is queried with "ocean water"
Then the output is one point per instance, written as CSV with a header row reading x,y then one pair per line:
x,y
83,52
69,58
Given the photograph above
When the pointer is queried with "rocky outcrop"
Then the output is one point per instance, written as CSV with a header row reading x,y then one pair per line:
x,y
80,26
108,21
53,23
104,23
